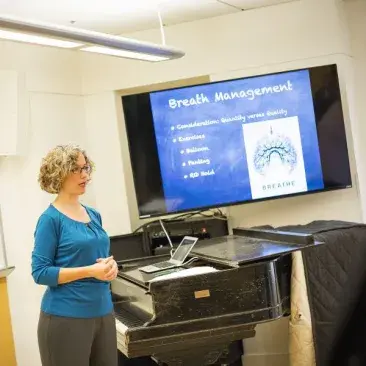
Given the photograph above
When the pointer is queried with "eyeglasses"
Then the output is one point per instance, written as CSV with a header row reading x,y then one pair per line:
x,y
78,170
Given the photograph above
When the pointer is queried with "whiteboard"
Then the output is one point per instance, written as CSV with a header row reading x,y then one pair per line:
x,y
3,258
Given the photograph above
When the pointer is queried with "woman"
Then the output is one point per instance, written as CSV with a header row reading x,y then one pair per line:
x,y
76,325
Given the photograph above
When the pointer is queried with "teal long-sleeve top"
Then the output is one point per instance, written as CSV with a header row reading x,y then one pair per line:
x,y
61,242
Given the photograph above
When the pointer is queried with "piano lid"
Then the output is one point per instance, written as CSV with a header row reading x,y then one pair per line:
x,y
251,245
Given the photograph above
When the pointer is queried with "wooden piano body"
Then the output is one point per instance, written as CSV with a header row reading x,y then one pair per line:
x,y
189,315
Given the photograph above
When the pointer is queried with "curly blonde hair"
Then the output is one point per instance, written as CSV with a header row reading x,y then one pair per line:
x,y
58,164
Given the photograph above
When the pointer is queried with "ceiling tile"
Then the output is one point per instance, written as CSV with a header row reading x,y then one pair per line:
x,y
122,16
190,10
114,16
89,11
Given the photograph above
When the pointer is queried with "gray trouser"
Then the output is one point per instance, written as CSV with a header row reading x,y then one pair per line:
x,y
77,342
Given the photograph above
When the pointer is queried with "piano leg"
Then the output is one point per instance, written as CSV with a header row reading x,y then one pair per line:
x,y
232,355
138,361
214,355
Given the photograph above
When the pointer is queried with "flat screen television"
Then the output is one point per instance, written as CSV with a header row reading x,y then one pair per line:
x,y
237,141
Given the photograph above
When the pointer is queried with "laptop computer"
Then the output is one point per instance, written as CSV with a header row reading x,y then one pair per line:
x,y
178,258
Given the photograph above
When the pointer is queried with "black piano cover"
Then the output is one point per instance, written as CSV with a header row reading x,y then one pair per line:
x,y
336,281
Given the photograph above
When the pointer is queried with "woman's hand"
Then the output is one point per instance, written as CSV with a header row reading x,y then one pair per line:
x,y
113,267
105,269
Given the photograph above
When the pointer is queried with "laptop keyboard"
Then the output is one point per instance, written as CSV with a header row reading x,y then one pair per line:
x,y
162,264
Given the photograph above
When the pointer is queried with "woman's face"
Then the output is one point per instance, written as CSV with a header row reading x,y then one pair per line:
x,y
75,183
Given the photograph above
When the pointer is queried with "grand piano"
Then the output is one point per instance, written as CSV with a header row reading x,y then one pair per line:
x,y
190,315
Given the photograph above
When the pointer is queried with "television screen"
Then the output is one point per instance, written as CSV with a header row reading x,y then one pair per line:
x,y
237,141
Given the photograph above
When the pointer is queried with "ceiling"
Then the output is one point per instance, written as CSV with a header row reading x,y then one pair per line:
x,y
125,16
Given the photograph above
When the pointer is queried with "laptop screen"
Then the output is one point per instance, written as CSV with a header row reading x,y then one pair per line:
x,y
184,248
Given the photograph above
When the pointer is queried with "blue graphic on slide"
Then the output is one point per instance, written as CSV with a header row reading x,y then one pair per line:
x,y
237,140
272,145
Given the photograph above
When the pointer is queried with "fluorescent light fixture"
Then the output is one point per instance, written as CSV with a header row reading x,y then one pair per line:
x,y
130,48
123,53
44,41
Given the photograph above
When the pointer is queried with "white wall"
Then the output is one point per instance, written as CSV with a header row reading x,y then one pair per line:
x,y
239,41
56,115
356,17
71,98
101,114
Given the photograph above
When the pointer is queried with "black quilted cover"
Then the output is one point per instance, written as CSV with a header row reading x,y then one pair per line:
x,y
336,282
